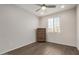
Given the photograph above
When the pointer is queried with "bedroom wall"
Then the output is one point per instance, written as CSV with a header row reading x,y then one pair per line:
x,y
17,27
77,13
67,36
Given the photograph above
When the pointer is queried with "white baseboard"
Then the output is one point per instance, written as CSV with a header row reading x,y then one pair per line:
x,y
16,48
61,43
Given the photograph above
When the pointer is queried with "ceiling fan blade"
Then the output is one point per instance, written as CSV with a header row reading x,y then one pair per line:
x,y
38,9
47,5
39,5
51,6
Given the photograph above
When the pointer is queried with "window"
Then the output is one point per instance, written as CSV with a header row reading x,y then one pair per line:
x,y
54,24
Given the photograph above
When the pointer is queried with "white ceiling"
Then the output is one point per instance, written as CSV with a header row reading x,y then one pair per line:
x,y
32,8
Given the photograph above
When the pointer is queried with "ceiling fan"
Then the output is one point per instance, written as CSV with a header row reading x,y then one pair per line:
x,y
45,6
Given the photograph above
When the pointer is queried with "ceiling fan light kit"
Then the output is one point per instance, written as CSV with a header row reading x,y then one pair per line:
x,y
43,7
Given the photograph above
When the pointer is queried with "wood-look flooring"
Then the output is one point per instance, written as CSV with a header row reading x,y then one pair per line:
x,y
44,49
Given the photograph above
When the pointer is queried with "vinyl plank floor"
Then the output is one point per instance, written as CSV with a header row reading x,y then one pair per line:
x,y
44,48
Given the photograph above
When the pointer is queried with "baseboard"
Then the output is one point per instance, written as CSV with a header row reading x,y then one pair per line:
x,y
15,48
61,44
31,43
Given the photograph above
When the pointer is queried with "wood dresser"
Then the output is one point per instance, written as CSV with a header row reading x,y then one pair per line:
x,y
41,34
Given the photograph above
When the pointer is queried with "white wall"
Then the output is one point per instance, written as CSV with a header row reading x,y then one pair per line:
x,y
77,12
67,36
17,28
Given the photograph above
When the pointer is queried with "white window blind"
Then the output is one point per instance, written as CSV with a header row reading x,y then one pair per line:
x,y
54,24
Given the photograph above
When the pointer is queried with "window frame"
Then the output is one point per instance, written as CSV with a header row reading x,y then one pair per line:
x,y
55,27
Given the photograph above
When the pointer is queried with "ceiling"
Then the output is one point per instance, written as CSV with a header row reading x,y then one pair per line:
x,y
33,7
